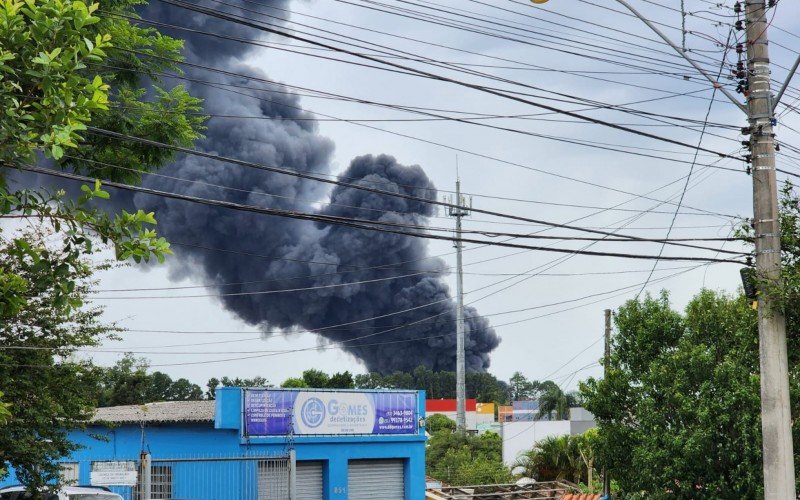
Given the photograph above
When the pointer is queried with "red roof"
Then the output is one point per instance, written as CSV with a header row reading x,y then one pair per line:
x,y
446,405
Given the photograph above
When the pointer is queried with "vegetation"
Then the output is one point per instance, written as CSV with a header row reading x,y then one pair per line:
x,y
438,422
556,458
484,387
59,75
464,459
214,383
129,383
679,412
47,394
679,409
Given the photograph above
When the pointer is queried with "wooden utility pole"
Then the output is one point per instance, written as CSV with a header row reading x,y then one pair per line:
x,y
776,426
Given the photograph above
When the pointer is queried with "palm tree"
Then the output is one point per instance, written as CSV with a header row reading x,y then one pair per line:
x,y
560,457
554,403
551,459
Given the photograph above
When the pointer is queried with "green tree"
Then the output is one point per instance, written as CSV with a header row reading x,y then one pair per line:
x,y
520,388
59,74
464,459
129,382
341,381
485,388
47,392
679,408
372,380
438,422
400,380
214,383
294,383
554,403
557,458
316,378
5,415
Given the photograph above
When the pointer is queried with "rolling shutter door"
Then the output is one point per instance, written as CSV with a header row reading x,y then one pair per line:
x,y
371,479
309,480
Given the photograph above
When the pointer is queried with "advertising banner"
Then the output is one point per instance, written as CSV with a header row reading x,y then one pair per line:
x,y
279,413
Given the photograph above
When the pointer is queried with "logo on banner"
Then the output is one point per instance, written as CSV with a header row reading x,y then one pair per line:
x,y
313,412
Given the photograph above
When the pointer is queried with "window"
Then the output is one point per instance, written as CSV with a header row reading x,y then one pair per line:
x,y
160,483
273,479
70,473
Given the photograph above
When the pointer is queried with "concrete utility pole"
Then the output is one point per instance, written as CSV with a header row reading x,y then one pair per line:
x,y
458,209
606,361
776,426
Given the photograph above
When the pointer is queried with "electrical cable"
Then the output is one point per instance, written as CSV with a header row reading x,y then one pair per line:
x,y
245,22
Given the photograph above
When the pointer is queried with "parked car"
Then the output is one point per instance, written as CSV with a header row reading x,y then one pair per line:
x,y
65,493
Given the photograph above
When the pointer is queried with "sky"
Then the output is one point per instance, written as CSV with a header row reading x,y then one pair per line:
x,y
546,308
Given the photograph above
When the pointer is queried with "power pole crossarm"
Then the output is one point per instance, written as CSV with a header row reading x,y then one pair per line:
x,y
785,85
680,51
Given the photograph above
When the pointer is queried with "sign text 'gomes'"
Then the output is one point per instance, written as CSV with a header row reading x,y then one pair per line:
x,y
272,412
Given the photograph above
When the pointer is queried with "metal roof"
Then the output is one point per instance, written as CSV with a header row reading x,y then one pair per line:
x,y
165,411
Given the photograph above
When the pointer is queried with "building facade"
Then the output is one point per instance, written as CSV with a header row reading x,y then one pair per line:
x,y
475,413
259,444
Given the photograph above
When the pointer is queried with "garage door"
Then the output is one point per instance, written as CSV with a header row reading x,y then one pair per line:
x,y
309,480
371,479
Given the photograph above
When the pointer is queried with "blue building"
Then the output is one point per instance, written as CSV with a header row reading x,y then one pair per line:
x,y
259,444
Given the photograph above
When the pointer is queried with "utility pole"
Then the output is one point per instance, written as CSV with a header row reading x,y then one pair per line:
x,y
458,209
776,427
606,361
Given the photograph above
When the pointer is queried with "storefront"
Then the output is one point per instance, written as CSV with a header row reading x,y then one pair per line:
x,y
260,444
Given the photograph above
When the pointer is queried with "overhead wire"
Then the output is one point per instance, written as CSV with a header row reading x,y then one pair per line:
x,y
480,88
362,224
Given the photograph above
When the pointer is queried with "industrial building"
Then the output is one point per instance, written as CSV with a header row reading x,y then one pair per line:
x,y
260,444
476,413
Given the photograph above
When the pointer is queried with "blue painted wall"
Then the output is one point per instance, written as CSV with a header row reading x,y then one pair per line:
x,y
218,479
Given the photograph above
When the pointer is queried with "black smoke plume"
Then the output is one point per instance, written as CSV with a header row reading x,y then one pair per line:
x,y
298,254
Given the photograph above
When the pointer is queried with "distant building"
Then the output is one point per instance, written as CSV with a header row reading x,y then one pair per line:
x,y
476,413
258,444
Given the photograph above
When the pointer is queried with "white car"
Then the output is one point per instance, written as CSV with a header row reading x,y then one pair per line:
x,y
65,493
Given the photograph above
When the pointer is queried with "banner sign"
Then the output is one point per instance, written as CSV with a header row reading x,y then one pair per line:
x,y
279,413
113,474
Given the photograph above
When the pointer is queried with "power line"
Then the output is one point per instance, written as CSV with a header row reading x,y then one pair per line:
x,y
347,222
245,22
316,177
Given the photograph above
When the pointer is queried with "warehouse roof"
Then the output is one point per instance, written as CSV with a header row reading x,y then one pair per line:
x,y
165,411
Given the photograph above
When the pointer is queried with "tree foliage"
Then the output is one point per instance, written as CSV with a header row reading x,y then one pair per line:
x,y
556,458
484,387
678,411
554,402
46,97
214,383
438,422
46,388
129,383
63,68
464,459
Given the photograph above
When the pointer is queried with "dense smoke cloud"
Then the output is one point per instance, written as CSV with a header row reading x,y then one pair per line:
x,y
294,254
